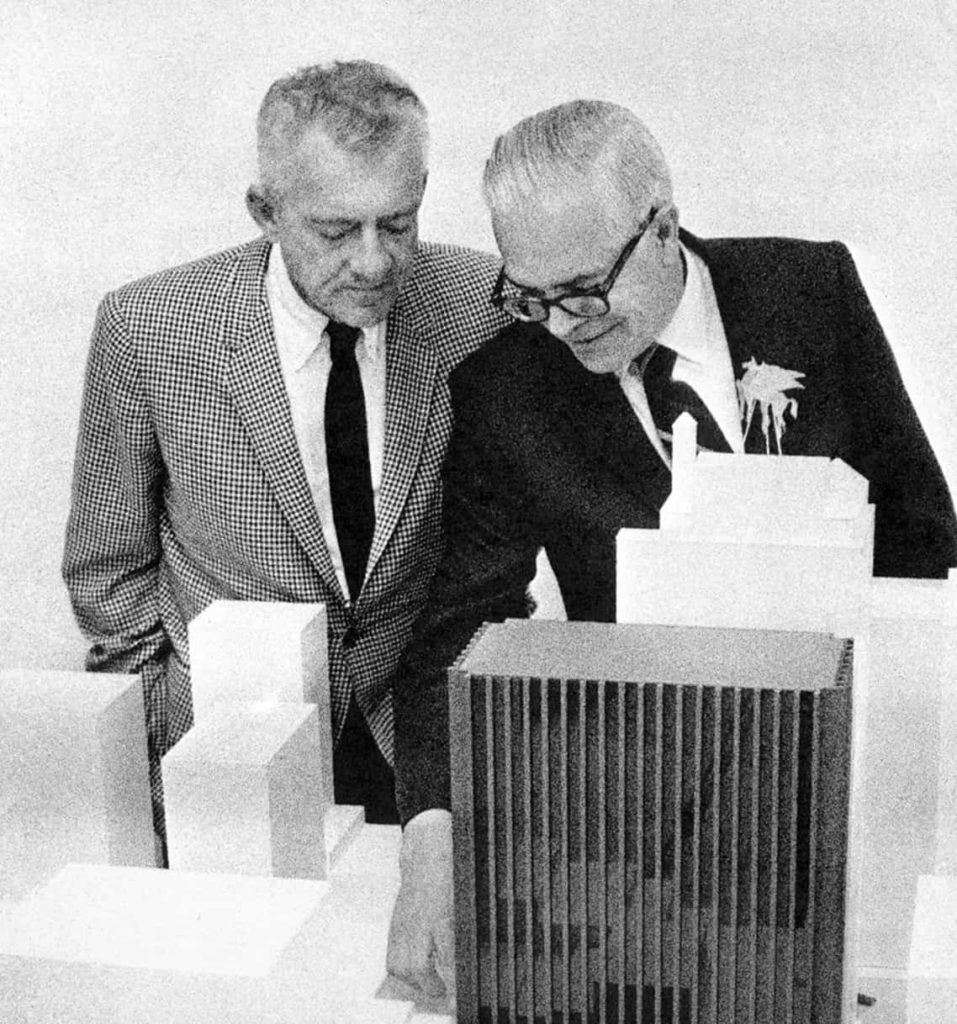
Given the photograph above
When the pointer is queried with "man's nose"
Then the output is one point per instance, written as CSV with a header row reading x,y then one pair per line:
x,y
371,261
560,323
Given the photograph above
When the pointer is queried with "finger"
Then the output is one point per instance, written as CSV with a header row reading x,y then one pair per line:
x,y
408,959
444,959
431,983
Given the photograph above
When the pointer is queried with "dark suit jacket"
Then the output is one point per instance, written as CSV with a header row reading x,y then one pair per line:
x,y
545,453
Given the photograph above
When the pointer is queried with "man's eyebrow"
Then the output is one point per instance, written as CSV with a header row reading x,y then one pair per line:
x,y
333,222
410,211
579,281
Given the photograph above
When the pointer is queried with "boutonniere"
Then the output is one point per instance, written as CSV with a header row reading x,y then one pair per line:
x,y
764,386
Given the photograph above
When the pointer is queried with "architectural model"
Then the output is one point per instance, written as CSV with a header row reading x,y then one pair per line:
x,y
652,816
73,775
238,929
263,651
650,823
100,944
742,545
761,542
243,792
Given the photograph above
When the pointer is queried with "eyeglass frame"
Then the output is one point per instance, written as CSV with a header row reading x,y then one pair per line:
x,y
597,291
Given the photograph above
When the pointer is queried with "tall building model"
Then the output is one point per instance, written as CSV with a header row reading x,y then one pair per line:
x,y
650,823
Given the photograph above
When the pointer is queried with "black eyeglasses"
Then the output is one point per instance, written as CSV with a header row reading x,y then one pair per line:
x,y
582,302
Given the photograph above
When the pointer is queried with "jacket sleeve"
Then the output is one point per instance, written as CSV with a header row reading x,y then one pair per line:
x,y
915,527
112,552
483,576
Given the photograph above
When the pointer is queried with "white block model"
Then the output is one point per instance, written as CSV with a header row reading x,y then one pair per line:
x,y
749,541
932,971
786,543
263,650
243,793
74,782
102,944
946,858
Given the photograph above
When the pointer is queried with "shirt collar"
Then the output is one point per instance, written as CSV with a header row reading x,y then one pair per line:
x,y
685,333
300,344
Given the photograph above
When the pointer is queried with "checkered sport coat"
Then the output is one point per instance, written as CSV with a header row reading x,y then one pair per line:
x,y
188,484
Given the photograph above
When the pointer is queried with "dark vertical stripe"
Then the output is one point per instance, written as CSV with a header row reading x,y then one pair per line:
x,y
530,852
642,806
678,850
602,867
753,919
583,901
659,902
512,995
465,838
493,995
716,854
566,907
695,978
548,909
623,801
773,869
794,769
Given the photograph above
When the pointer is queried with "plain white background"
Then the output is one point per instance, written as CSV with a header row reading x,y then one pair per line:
x,y
126,144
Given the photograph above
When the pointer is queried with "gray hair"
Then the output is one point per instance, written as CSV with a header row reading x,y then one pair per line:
x,y
564,146
362,106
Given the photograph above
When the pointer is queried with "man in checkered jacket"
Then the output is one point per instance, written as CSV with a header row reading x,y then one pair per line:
x,y
206,457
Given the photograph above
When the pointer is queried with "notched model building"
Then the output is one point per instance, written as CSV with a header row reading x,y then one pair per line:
x,y
651,820
651,823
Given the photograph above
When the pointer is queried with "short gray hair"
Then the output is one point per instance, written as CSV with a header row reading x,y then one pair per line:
x,y
582,140
363,107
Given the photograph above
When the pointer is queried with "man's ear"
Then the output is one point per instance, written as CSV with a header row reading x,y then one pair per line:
x,y
668,223
262,210
667,232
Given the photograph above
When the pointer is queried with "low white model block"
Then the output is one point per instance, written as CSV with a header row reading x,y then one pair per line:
x,y
121,944
243,793
752,541
946,858
932,971
74,777
373,854
894,799
342,824
263,650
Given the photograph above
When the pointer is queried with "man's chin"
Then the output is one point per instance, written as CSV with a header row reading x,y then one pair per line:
x,y
364,309
595,356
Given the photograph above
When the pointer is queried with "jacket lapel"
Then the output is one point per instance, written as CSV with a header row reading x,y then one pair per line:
x,y
751,328
627,463
411,372
254,378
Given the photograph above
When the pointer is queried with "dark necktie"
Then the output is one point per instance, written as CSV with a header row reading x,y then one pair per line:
x,y
668,399
347,456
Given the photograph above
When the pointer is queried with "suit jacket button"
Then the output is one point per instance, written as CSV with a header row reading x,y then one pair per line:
x,y
350,638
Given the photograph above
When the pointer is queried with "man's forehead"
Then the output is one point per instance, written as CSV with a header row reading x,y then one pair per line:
x,y
338,183
547,247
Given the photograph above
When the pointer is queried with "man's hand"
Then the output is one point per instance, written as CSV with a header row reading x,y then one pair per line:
x,y
422,934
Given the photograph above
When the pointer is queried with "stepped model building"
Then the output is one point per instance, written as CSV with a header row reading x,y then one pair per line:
x,y
651,823
260,651
757,541
244,793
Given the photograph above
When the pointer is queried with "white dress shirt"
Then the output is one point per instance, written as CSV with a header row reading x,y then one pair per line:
x,y
696,334
303,347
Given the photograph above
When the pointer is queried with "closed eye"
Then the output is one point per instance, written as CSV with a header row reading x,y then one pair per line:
x,y
334,230
399,226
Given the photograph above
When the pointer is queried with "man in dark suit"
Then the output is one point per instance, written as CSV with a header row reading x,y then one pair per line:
x,y
560,424
268,423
